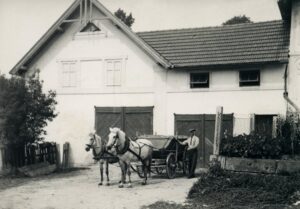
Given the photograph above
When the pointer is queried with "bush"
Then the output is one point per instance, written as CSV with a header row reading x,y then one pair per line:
x,y
24,110
262,146
252,146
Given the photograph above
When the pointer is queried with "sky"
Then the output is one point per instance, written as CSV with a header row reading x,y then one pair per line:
x,y
23,22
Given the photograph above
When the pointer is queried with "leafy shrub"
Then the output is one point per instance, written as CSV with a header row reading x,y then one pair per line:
x,y
256,145
252,146
24,110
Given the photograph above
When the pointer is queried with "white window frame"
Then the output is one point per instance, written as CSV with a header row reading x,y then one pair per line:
x,y
70,84
107,70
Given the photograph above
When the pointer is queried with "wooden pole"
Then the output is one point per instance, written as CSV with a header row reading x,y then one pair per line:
x,y
218,131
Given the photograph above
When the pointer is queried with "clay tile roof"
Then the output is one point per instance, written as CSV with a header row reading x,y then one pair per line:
x,y
263,42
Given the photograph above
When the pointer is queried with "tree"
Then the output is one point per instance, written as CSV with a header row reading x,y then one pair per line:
x,y
127,19
237,20
24,110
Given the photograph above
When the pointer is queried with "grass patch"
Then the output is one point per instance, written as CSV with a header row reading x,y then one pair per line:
x,y
218,189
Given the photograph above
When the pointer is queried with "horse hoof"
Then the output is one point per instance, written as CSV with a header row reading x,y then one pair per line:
x,y
144,183
100,184
107,184
129,186
121,186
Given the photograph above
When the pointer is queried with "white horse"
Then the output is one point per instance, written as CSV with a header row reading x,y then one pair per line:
x,y
130,151
100,153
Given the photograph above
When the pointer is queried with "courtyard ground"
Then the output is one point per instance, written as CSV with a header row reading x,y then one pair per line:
x,y
79,189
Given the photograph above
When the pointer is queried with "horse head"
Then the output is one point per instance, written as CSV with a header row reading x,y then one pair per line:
x,y
113,137
92,141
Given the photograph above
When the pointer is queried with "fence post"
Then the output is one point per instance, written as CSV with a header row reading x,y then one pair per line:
x,y
218,131
252,122
65,162
58,162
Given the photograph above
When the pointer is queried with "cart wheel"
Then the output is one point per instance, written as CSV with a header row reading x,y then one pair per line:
x,y
171,166
185,162
159,170
140,172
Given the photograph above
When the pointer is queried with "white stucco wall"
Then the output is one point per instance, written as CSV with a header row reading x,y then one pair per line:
x,y
144,83
224,91
294,61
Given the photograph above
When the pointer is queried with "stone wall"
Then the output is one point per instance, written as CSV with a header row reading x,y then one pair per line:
x,y
267,166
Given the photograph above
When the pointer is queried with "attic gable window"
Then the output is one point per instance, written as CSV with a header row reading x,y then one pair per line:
x,y
250,78
90,27
199,80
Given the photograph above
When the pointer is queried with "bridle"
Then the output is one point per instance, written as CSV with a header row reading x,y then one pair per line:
x,y
93,139
114,144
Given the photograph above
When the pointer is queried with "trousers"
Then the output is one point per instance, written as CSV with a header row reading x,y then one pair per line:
x,y
192,161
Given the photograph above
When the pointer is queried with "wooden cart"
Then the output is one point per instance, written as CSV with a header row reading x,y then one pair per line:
x,y
168,155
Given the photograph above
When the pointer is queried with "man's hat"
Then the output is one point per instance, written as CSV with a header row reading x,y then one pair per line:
x,y
192,130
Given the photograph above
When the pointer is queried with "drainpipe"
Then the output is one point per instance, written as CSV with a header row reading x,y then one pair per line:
x,y
286,94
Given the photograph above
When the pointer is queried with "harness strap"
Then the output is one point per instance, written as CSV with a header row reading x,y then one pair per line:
x,y
125,148
135,154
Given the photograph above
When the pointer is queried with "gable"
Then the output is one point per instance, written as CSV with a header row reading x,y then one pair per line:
x,y
81,11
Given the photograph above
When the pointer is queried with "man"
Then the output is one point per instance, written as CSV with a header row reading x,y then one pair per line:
x,y
192,152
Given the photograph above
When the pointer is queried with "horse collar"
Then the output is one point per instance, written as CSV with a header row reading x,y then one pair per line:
x,y
125,148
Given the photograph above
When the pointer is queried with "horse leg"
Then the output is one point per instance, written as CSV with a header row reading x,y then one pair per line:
x,y
122,166
129,175
107,173
101,172
149,167
145,173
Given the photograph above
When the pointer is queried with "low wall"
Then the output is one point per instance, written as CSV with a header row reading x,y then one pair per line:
x,y
267,166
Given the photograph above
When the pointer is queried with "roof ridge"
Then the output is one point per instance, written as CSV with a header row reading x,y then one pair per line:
x,y
210,27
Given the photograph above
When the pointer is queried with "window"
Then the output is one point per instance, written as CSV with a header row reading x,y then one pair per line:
x,y
69,74
264,124
199,80
90,27
113,71
250,78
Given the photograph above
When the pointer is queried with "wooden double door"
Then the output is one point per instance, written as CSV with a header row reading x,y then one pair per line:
x,y
133,121
205,126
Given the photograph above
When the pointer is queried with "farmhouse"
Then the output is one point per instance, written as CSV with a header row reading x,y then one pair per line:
x,y
165,82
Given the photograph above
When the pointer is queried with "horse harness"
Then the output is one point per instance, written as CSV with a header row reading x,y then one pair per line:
x,y
126,148
103,152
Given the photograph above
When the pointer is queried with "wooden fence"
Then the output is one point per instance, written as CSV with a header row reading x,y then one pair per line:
x,y
28,155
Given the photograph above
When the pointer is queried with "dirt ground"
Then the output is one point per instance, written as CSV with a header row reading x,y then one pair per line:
x,y
79,189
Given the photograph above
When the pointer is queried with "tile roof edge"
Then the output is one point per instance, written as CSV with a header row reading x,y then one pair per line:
x,y
228,65
211,27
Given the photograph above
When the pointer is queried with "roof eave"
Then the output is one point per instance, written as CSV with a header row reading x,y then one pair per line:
x,y
229,65
44,38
